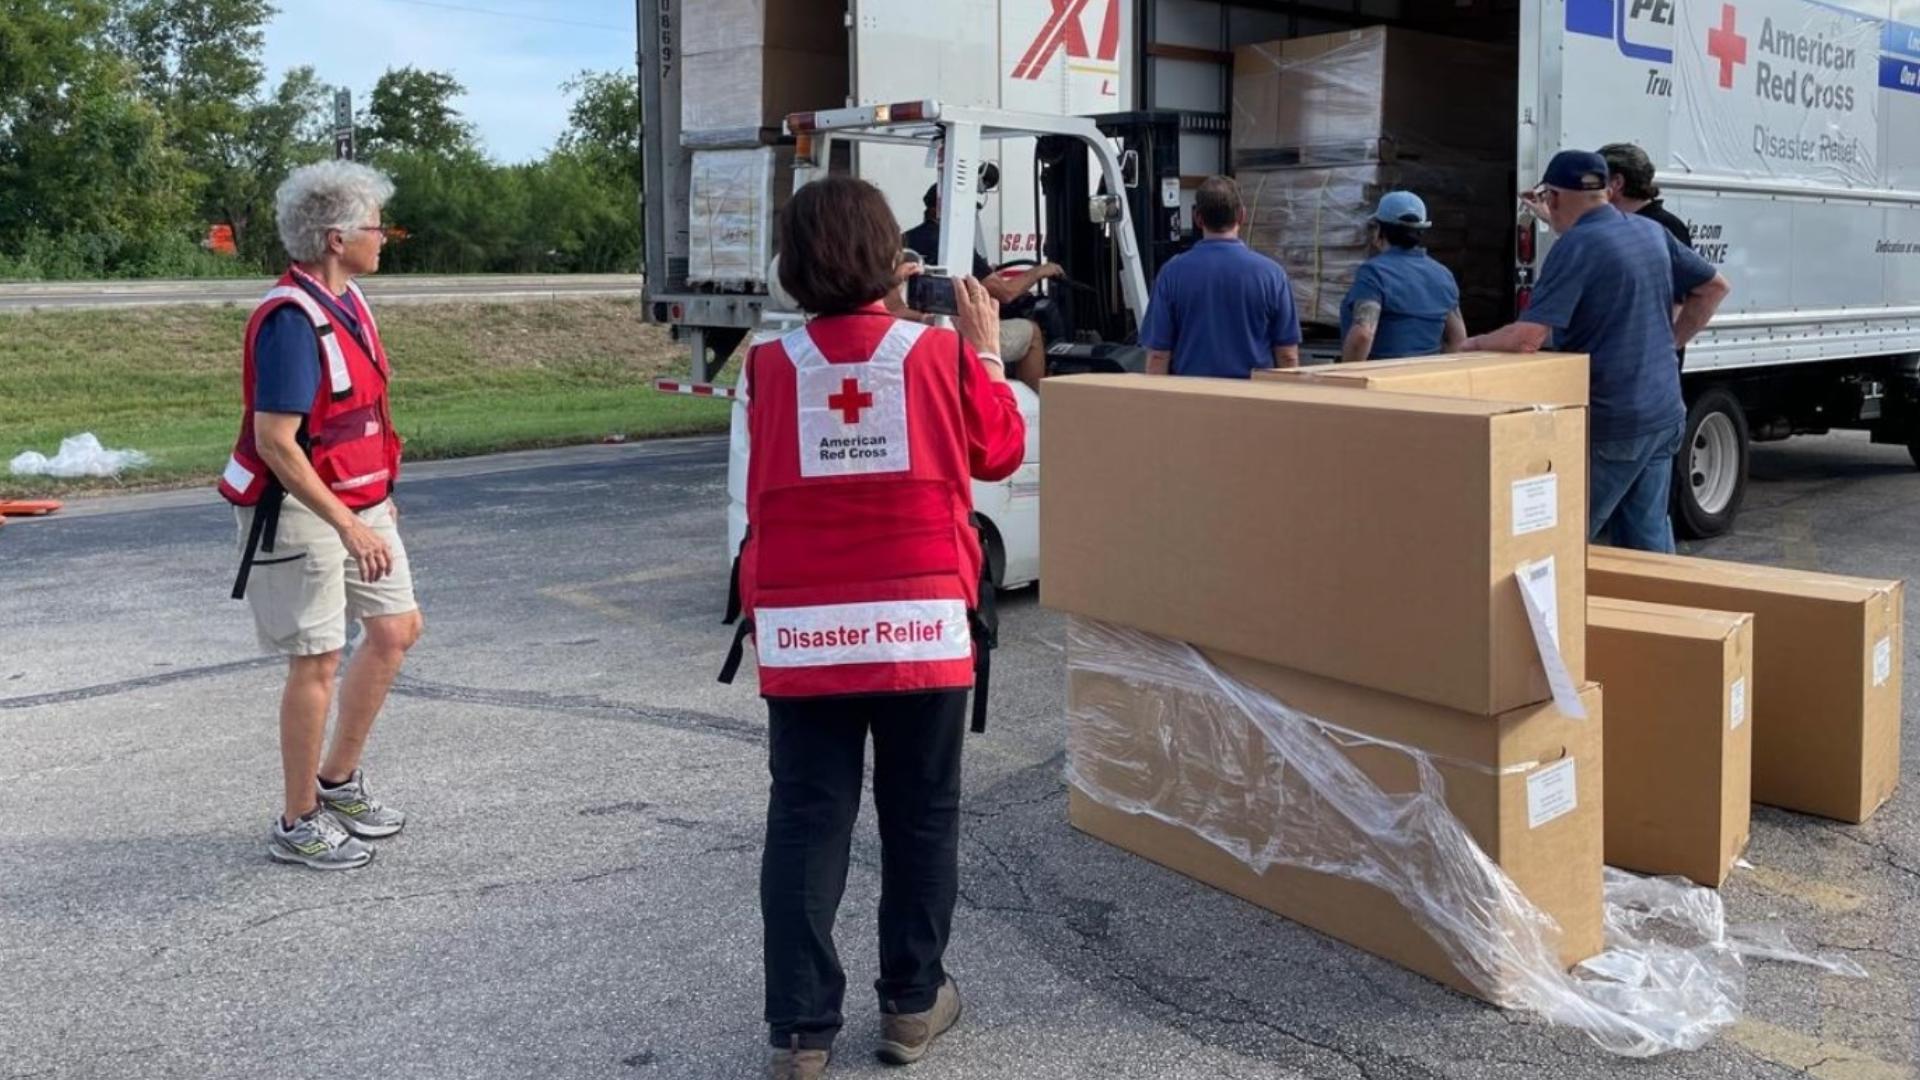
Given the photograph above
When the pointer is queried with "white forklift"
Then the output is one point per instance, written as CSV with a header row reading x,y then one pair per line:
x,y
1093,189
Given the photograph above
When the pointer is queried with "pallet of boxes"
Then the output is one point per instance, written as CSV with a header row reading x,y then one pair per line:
x,y
1325,125
1332,649
744,66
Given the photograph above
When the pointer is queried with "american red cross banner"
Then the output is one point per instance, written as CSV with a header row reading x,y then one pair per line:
x,y
1776,89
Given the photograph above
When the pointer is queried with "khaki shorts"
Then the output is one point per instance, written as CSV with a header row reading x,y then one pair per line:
x,y
305,590
1016,337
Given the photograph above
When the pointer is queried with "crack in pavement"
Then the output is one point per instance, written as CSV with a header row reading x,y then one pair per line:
x,y
587,705
126,686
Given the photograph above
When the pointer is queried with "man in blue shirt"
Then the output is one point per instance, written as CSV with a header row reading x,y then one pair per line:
x,y
1610,288
1402,303
1220,309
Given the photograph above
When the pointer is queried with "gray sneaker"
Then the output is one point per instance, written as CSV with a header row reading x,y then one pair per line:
x,y
798,1064
362,814
319,842
905,1037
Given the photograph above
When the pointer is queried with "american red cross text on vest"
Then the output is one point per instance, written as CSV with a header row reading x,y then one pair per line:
x,y
850,400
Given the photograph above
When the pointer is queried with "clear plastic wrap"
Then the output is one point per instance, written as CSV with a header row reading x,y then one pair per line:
x,y
1324,125
1372,94
1196,748
733,196
79,455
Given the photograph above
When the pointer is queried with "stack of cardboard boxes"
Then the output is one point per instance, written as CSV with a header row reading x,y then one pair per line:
x,y
1349,543
744,66
1324,125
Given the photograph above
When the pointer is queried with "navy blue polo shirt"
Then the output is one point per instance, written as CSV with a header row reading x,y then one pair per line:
x,y
1415,294
1221,309
1607,289
286,354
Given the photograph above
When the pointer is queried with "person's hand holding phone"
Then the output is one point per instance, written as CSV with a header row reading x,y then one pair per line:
x,y
978,320
896,298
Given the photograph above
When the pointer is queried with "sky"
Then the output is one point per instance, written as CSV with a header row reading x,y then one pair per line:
x,y
511,55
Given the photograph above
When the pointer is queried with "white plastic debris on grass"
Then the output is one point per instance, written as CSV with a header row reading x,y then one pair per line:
x,y
1209,750
80,455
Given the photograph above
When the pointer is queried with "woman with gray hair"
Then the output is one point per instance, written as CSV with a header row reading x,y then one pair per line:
x,y
317,427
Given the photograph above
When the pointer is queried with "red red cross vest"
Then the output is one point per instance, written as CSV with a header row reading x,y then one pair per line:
x,y
350,436
861,568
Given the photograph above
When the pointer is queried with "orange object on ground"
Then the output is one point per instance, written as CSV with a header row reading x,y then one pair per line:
x,y
27,507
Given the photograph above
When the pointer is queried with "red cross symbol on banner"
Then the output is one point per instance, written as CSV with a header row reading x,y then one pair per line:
x,y
850,401
1726,45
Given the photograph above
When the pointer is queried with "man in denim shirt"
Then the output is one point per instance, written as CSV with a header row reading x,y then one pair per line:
x,y
1609,288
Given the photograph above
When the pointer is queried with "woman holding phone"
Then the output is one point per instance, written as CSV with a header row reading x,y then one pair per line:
x,y
860,580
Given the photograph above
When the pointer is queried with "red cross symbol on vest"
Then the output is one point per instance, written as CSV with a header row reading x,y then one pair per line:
x,y
850,401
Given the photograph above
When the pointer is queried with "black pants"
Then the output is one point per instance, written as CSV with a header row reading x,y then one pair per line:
x,y
817,756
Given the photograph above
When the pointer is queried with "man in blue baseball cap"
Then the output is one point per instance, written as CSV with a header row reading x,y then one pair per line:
x,y
1621,289
1402,302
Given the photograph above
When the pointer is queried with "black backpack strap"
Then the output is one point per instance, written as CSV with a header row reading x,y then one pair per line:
x,y
985,620
736,652
733,582
261,534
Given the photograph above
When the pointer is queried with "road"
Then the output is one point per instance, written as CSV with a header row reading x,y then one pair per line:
x,y
396,289
575,894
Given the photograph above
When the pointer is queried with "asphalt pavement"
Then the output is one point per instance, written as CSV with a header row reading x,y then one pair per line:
x,y
575,895
389,289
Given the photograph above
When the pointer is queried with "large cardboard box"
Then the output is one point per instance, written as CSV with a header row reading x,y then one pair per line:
x,y
1536,378
1419,92
1527,786
1826,671
1679,748
1371,538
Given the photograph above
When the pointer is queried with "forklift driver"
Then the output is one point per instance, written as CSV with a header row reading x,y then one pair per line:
x,y
1020,339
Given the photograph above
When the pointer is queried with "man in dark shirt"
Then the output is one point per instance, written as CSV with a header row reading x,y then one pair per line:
x,y
1618,288
1022,347
1631,189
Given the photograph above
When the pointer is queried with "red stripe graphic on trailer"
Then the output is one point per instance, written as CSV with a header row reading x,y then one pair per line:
x,y
1066,13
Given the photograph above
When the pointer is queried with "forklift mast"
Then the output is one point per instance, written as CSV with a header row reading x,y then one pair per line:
x,y
1148,144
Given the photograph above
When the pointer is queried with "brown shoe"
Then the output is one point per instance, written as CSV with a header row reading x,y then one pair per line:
x,y
797,1064
905,1037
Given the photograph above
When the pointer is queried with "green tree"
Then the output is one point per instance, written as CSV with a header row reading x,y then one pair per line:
x,y
412,110
88,182
603,125
199,61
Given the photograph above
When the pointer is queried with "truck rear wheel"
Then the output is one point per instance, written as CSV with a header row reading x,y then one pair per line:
x,y
1710,472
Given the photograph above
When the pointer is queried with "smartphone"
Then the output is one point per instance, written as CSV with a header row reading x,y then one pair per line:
x,y
932,293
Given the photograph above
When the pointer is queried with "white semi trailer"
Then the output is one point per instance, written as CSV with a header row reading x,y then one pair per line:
x,y
1786,134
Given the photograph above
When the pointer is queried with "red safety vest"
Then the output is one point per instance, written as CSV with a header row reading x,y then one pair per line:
x,y
350,436
861,569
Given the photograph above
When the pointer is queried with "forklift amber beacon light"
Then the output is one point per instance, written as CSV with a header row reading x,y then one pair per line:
x,y
900,112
